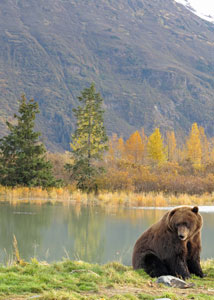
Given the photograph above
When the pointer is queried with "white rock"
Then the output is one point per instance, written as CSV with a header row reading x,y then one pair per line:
x,y
174,282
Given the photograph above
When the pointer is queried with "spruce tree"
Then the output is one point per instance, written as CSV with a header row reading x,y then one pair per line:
x,y
22,156
89,140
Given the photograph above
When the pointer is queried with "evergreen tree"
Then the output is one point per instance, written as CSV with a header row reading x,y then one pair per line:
x,y
22,156
89,140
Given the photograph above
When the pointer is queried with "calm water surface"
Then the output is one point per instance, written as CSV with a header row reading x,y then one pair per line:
x,y
94,234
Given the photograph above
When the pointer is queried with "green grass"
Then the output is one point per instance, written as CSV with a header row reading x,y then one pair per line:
x,y
79,280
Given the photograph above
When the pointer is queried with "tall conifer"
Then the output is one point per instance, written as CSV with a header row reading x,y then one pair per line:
x,y
89,140
22,156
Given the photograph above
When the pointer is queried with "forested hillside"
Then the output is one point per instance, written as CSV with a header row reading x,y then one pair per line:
x,y
152,62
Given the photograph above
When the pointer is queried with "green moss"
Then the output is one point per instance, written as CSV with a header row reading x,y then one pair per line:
x,y
79,280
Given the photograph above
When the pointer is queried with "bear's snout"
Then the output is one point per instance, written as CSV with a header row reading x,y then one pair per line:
x,y
181,237
183,233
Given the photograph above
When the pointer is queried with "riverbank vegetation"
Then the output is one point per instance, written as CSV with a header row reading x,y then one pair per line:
x,y
68,195
79,280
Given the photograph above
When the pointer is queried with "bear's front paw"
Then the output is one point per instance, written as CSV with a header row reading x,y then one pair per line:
x,y
186,276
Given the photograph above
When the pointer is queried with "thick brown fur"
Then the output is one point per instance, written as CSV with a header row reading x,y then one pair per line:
x,y
172,246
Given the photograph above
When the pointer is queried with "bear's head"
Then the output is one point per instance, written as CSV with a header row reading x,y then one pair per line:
x,y
185,221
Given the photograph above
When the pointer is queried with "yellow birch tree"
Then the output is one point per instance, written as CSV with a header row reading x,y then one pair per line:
x,y
204,146
171,145
194,152
155,147
145,141
120,147
211,151
134,147
116,148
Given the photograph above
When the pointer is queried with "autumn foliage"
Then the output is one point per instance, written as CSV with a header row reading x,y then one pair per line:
x,y
160,163
154,163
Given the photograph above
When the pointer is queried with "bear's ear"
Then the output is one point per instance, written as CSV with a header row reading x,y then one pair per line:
x,y
172,212
195,209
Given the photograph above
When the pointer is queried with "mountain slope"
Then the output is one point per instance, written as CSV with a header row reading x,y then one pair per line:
x,y
152,61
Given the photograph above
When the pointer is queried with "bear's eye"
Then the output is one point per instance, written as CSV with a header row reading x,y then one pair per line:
x,y
182,224
185,224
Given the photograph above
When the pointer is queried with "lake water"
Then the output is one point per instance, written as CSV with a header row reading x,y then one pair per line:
x,y
90,233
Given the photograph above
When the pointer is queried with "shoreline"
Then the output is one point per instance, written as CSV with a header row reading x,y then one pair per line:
x,y
123,198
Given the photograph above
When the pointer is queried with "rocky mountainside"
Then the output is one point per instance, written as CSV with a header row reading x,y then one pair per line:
x,y
152,61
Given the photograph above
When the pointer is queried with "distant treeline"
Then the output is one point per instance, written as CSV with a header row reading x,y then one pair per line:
x,y
98,163
152,163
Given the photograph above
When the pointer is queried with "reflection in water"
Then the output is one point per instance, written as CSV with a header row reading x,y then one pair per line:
x,y
85,227
90,233
26,225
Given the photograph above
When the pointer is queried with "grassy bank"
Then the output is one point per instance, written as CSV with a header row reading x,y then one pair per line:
x,y
78,280
68,194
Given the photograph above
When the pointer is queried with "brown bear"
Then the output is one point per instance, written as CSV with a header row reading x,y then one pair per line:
x,y
171,246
